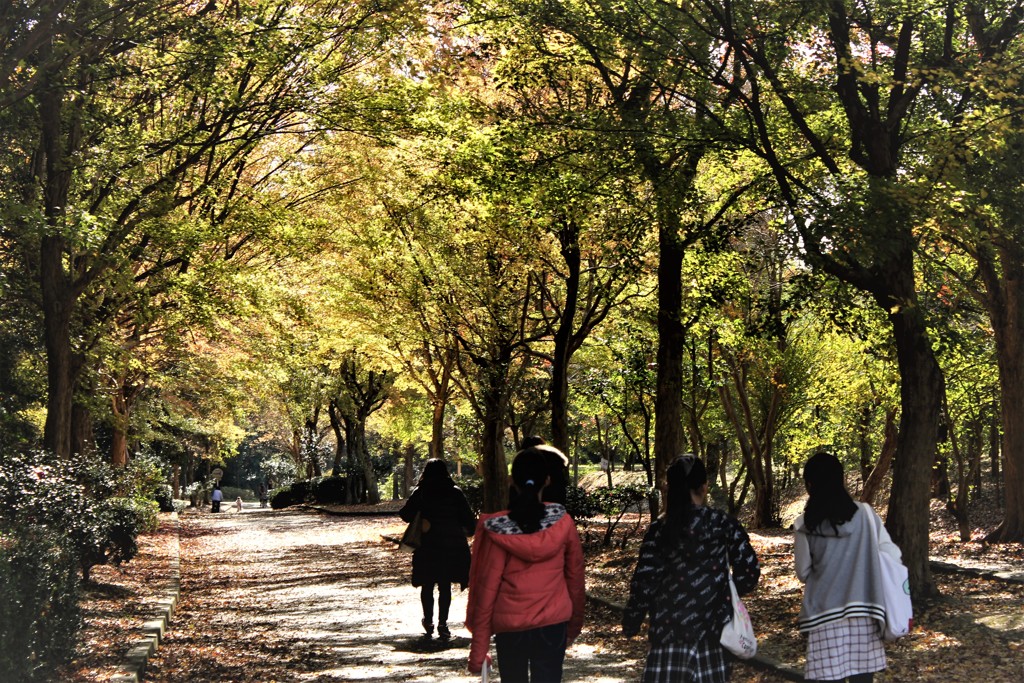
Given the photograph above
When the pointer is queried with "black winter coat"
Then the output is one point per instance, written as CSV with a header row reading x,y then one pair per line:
x,y
443,556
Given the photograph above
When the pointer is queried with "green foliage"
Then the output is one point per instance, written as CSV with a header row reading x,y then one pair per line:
x,y
613,503
232,492
39,614
165,499
59,517
580,505
111,538
330,490
325,490
283,497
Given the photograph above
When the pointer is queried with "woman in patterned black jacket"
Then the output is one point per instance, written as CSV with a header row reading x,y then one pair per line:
x,y
682,581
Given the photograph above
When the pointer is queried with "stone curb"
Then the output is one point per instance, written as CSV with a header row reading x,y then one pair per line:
x,y
134,665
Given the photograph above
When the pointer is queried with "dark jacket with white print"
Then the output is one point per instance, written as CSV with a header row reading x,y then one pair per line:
x,y
684,587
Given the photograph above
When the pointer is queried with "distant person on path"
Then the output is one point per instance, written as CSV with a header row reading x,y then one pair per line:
x,y
443,557
528,586
264,495
216,497
836,557
682,581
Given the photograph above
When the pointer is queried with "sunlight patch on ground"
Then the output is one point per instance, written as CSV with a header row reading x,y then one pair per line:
x,y
1006,621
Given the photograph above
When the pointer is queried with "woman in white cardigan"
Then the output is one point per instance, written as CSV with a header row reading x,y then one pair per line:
x,y
837,559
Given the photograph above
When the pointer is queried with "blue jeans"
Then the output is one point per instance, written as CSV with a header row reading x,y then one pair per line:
x,y
539,651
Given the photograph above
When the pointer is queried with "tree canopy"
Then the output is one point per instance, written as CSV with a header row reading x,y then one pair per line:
x,y
347,235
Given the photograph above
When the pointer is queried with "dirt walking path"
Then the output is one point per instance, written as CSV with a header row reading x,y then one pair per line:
x,y
300,596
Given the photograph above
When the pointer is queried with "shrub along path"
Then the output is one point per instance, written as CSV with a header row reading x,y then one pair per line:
x,y
294,595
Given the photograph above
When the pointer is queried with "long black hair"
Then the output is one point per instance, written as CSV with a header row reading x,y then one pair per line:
x,y
827,497
530,473
435,473
685,476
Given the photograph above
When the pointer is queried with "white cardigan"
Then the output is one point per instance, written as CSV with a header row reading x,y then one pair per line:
x,y
841,569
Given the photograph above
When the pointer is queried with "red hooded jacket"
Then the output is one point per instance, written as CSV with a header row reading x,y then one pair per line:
x,y
520,581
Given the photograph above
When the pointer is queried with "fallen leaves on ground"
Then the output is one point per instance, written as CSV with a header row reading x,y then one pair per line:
x,y
974,626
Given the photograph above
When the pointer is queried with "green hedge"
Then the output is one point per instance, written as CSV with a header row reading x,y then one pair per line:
x,y
58,518
325,491
39,614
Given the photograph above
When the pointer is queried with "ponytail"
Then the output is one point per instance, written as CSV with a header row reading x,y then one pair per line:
x,y
530,474
685,476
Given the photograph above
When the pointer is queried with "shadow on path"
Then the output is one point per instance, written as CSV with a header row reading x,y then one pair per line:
x,y
299,596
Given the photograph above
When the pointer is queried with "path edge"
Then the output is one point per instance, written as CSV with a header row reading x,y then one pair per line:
x,y
133,667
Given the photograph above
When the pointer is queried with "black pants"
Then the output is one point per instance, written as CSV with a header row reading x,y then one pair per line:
x,y
216,506
535,655
444,601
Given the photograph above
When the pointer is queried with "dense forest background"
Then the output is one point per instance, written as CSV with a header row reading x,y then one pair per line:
x,y
292,239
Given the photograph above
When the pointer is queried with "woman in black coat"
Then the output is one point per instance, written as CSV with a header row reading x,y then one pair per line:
x,y
443,556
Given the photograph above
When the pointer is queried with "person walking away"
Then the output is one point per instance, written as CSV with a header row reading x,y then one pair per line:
x,y
837,560
443,556
528,585
264,495
682,581
216,498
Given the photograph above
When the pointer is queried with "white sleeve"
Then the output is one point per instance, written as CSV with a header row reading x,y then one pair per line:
x,y
801,551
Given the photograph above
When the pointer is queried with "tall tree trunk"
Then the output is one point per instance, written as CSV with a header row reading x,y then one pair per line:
x,y
569,240
409,470
493,463
437,425
366,464
873,484
120,412
57,308
337,427
83,437
669,434
58,295
1005,300
921,392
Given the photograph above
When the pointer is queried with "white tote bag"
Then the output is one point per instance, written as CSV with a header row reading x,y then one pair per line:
x,y
738,635
899,612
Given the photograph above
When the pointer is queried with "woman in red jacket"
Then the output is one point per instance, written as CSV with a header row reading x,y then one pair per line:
x,y
527,581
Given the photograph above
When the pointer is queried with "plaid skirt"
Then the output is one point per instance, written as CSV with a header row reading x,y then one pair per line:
x,y
844,648
701,662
